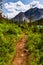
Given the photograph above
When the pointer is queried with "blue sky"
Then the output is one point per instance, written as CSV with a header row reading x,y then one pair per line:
x,y
24,1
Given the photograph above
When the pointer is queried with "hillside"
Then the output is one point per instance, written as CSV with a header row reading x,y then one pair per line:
x,y
16,40
10,33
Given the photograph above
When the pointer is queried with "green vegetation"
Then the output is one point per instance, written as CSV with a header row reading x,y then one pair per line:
x,y
11,32
35,45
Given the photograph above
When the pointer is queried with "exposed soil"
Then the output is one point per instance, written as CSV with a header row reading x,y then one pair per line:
x,y
21,54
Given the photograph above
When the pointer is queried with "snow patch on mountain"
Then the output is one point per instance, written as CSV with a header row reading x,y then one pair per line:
x,y
12,9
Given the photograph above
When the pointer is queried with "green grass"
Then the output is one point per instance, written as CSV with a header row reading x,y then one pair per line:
x,y
10,33
35,46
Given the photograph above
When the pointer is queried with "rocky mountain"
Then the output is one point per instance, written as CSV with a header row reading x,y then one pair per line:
x,y
36,14
20,17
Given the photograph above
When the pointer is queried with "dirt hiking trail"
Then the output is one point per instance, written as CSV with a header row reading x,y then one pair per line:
x,y
21,54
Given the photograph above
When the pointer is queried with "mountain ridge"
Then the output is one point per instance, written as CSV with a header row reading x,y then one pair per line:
x,y
17,7
36,14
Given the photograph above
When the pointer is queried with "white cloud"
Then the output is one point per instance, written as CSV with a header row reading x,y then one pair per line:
x,y
15,8
37,4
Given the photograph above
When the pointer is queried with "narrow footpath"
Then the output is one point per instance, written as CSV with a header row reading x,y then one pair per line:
x,y
21,54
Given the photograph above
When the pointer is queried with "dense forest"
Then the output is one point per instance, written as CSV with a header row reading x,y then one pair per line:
x,y
11,32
